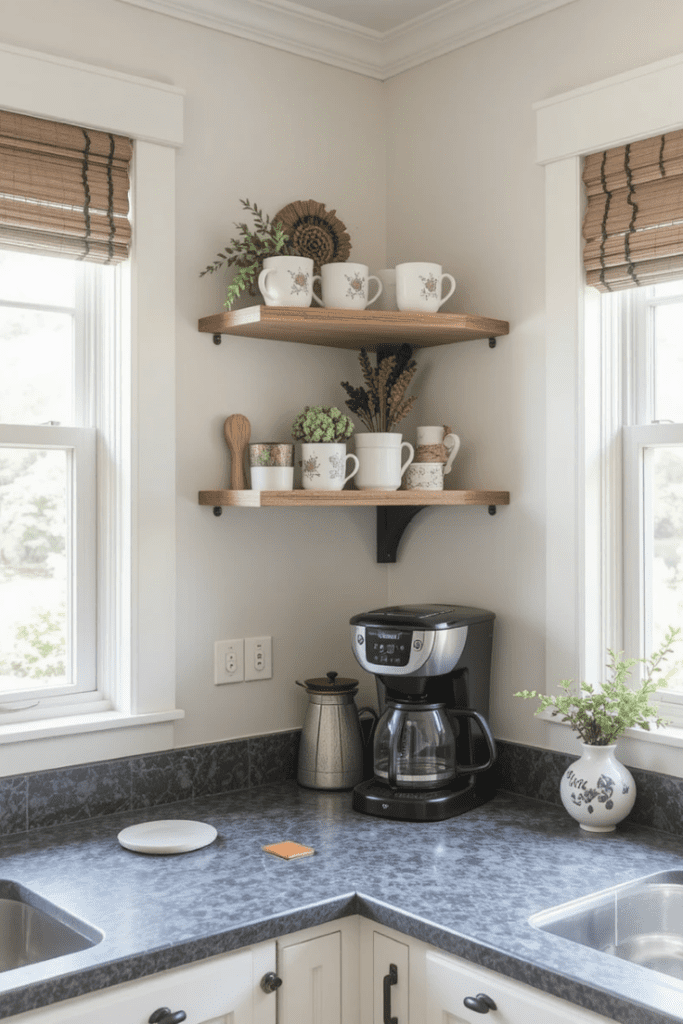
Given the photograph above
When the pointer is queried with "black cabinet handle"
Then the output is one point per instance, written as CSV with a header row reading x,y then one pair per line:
x,y
480,1004
389,979
164,1016
270,982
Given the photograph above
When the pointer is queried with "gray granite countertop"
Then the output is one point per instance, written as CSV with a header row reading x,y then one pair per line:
x,y
467,886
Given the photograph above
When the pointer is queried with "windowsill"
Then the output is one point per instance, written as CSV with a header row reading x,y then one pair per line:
x,y
669,735
72,725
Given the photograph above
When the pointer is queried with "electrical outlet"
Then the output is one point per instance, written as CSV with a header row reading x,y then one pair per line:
x,y
258,657
228,661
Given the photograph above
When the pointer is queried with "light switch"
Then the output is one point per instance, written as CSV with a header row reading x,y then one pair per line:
x,y
258,657
228,661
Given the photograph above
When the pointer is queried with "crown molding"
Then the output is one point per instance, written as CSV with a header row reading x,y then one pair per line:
x,y
381,55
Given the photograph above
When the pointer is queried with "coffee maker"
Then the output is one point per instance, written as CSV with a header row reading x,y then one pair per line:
x,y
433,748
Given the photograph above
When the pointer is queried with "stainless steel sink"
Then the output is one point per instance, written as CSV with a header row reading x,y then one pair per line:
x,y
640,921
32,929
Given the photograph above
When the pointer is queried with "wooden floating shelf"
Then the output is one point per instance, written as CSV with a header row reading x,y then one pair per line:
x,y
352,328
349,499
395,509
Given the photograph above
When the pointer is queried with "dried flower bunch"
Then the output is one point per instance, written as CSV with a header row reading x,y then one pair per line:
x,y
601,716
248,251
381,404
315,232
322,424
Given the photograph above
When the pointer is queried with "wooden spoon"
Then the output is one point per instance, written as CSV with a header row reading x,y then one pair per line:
x,y
237,433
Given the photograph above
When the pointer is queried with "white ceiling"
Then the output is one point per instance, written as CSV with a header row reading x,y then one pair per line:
x,y
377,38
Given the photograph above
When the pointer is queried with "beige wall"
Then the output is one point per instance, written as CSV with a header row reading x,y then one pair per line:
x,y
435,164
464,190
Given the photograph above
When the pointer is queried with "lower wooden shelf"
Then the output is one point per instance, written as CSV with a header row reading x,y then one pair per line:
x,y
395,509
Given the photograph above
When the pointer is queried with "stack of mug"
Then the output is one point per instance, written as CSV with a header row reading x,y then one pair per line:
x,y
436,451
409,287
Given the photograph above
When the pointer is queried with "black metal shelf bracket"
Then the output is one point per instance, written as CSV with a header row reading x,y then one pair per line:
x,y
492,510
217,510
391,523
217,338
492,342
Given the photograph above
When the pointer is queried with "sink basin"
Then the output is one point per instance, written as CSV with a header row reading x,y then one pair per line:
x,y
32,929
640,921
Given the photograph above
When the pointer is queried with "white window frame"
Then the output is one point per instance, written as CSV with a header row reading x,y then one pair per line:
x,y
582,467
136,553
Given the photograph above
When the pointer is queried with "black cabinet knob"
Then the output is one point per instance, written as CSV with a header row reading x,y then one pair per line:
x,y
480,1004
164,1016
270,982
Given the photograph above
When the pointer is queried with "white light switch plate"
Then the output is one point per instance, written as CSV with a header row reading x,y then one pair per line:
x,y
228,661
258,657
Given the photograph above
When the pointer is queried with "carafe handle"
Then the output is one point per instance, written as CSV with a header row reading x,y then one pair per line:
x,y
474,769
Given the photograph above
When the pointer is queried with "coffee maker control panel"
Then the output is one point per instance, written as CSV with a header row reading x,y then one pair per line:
x,y
390,646
394,651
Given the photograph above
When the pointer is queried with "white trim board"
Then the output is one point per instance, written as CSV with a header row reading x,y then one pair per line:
x,y
308,33
42,85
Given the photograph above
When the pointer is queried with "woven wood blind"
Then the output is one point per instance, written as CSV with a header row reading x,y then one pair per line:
x,y
64,189
633,224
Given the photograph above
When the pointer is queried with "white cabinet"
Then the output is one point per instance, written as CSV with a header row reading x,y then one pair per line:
x,y
222,990
350,971
432,987
319,972
385,976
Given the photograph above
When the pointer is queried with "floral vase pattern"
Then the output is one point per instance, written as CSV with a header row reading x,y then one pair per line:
x,y
598,790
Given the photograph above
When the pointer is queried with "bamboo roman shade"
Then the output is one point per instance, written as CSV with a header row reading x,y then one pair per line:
x,y
64,189
633,224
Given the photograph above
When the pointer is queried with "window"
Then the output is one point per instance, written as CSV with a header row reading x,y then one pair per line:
x,y
136,549
651,329
585,591
53,336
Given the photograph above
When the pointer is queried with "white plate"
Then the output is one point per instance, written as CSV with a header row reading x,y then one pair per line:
x,y
167,836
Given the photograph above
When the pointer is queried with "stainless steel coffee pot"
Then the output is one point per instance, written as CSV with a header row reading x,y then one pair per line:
x,y
332,745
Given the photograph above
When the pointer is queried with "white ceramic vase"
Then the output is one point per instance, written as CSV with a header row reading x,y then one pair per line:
x,y
598,790
380,457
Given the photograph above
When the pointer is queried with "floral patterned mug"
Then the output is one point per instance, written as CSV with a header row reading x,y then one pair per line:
x,y
346,286
419,287
323,466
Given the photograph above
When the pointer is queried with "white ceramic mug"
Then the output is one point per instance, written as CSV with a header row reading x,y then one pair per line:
x,y
435,435
424,476
286,280
272,478
346,286
323,466
380,461
419,286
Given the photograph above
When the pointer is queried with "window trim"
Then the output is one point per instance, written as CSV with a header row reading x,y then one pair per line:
x,y
637,104
142,676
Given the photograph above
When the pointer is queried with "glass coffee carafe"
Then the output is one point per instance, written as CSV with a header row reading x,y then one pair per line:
x,y
414,745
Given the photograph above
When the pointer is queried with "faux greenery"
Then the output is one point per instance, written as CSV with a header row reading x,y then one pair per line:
x,y
381,404
322,424
601,716
248,251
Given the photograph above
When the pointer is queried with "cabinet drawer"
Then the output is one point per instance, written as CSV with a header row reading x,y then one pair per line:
x,y
449,981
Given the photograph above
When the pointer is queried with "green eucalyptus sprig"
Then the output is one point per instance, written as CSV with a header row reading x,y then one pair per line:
x,y
248,251
601,716
322,424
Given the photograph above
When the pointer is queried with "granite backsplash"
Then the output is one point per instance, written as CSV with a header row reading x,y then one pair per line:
x,y
62,795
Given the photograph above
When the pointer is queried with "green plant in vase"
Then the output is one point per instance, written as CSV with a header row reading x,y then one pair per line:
x,y
322,424
597,790
248,251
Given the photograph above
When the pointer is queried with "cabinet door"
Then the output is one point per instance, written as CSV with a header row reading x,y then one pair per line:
x,y
311,980
222,990
449,981
390,979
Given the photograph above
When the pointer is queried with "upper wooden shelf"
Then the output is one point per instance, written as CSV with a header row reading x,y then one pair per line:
x,y
352,328
303,499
